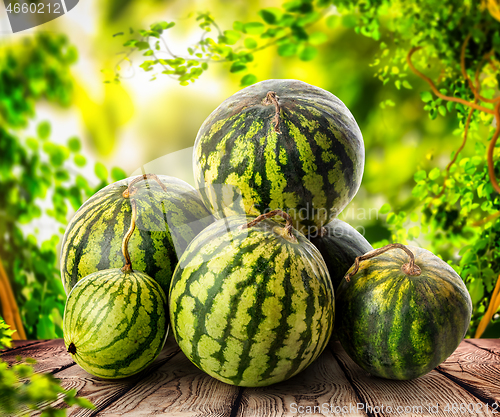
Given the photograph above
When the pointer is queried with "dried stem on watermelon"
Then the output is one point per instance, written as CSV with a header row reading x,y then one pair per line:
x,y
272,98
409,268
281,213
128,265
127,193
131,190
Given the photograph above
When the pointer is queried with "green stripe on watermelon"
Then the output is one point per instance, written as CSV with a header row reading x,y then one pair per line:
x,y
166,223
247,306
115,323
311,170
400,326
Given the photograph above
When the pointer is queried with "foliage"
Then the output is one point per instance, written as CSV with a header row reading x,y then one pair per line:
x,y
22,390
37,171
458,43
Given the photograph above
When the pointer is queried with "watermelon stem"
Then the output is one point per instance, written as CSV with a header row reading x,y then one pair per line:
x,y
131,190
127,193
409,268
128,266
277,212
272,98
72,348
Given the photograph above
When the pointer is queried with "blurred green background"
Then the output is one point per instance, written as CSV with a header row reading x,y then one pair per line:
x,y
65,133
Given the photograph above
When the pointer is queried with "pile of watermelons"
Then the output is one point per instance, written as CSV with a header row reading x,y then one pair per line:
x,y
245,268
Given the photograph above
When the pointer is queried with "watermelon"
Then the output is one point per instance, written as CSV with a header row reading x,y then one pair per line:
x,y
115,323
167,221
400,321
251,306
340,244
280,144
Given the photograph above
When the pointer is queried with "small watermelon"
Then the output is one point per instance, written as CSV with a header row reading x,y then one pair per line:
x,y
401,319
167,221
340,244
251,306
115,323
280,144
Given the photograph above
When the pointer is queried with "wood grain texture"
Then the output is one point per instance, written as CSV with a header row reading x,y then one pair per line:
x,y
16,344
313,392
178,388
172,386
104,392
51,355
475,366
430,394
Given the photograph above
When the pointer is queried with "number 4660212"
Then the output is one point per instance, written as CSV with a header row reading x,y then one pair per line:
x,y
34,8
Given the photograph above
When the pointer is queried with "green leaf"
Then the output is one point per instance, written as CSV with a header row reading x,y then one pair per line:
x,y
385,208
142,45
420,175
43,130
100,171
118,174
434,174
254,28
231,36
332,21
287,49
237,67
74,144
426,96
317,38
476,291
308,53
271,15
349,21
407,85
238,26
442,110
250,43
391,218
248,79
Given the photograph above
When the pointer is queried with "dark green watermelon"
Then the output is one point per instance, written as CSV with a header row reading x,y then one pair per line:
x,y
280,144
398,322
166,223
339,243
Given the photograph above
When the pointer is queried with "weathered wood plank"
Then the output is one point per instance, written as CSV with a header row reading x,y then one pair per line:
x,y
178,388
430,394
491,345
475,368
322,389
51,355
103,392
17,344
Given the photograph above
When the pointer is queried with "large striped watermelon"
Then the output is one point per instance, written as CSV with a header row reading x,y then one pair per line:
x,y
251,307
340,244
399,321
115,323
166,223
280,144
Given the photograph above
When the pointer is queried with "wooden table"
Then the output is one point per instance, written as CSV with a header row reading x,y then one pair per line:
x,y
468,383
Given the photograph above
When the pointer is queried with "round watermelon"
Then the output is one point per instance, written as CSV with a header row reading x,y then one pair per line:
x,y
400,321
340,244
251,306
166,222
280,144
115,323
